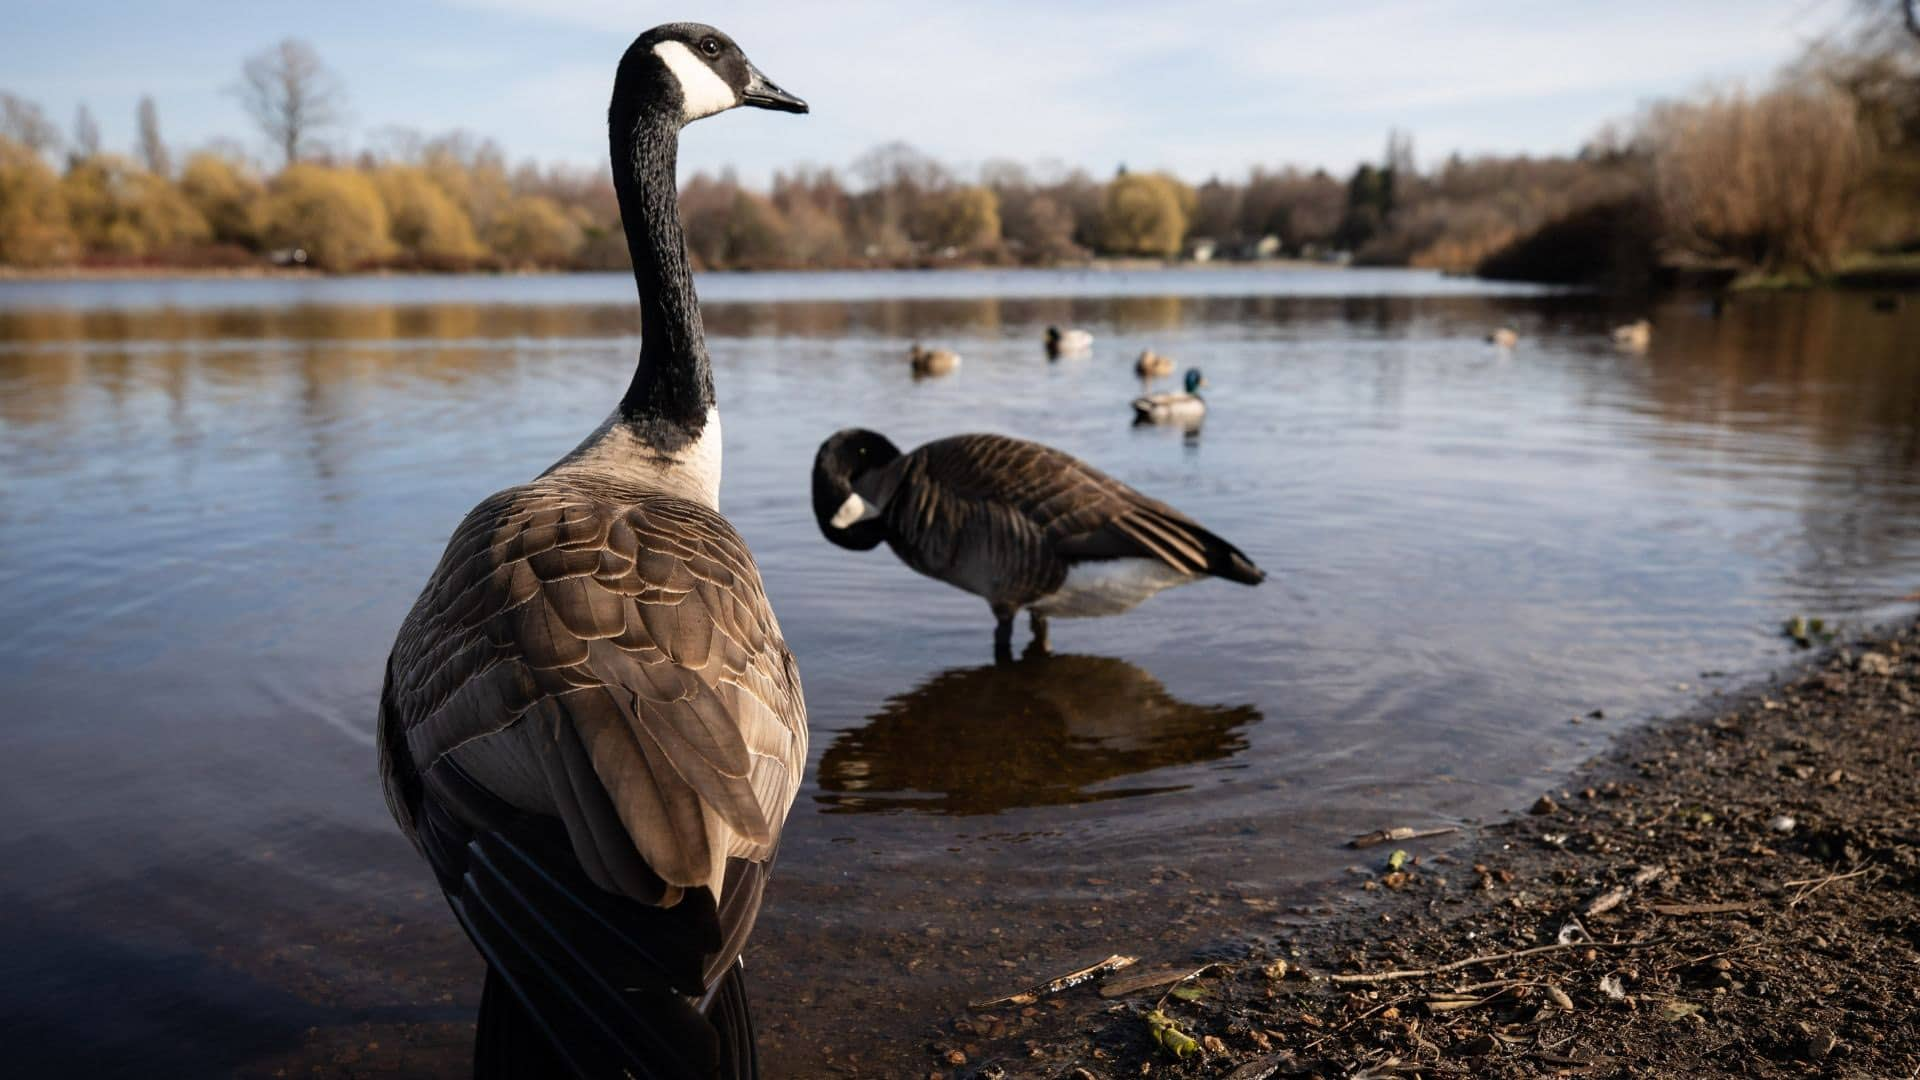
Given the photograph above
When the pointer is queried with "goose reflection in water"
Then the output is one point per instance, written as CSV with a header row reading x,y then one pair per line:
x,y
1045,731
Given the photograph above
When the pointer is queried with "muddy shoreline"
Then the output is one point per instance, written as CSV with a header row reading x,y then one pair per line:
x,y
1735,891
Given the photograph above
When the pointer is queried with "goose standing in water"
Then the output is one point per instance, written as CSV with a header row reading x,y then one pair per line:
x,y
591,726
1173,407
1067,342
928,362
1017,523
1152,364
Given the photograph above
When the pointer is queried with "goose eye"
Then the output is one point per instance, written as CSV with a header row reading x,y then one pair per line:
x,y
710,46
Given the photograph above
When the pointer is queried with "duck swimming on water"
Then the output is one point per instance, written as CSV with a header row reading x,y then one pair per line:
x,y
1173,406
1067,342
1016,523
591,725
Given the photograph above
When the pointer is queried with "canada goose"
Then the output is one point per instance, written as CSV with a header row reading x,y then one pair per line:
x,y
1636,335
1506,337
1020,524
1043,731
1173,407
1152,364
1067,342
932,361
591,725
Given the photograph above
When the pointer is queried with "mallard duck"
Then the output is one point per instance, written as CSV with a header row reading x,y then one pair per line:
x,y
1173,407
1152,364
1636,335
1506,337
1019,524
932,361
591,726
1067,342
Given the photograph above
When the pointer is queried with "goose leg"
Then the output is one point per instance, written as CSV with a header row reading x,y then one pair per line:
x,y
1040,646
1003,633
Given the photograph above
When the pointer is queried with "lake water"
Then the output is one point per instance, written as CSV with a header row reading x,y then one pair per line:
x,y
218,498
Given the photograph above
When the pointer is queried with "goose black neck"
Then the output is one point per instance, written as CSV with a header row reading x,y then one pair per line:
x,y
672,387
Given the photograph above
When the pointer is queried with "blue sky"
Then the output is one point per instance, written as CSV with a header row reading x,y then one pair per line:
x,y
1198,88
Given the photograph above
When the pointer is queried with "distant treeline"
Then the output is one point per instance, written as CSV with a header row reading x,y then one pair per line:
x,y
1799,178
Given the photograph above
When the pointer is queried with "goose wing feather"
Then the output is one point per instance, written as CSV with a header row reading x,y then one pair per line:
x,y
611,665
1035,509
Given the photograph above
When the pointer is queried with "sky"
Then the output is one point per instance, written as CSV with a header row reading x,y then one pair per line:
x,y
1199,88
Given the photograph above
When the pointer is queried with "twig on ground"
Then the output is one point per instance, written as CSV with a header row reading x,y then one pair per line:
x,y
1421,973
1814,885
1054,986
1381,836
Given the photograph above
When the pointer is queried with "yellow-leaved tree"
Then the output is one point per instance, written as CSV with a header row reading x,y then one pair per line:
x,y
1145,214
118,208
424,220
534,230
334,215
224,191
33,210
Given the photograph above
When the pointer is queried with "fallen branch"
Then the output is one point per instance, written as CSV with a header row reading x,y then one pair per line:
x,y
1064,982
1151,980
1381,836
1421,973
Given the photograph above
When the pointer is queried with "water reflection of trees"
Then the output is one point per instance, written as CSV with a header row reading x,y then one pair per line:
x,y
1041,732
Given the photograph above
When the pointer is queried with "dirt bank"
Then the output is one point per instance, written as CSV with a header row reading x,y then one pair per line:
x,y
1735,892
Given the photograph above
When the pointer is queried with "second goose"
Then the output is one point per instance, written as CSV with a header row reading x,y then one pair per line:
x,y
1019,524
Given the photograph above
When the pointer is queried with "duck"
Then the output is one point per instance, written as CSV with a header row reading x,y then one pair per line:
x,y
591,726
1017,523
1173,407
1636,335
1152,364
1886,303
928,362
1506,337
1067,342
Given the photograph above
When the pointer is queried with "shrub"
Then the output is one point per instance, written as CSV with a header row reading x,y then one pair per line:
x,y
224,192
33,210
425,222
534,230
118,208
1770,181
334,215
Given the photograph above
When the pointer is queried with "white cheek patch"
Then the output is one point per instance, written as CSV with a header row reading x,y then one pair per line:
x,y
704,91
853,511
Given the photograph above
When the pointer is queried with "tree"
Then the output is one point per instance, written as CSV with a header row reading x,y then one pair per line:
x,y
119,209
23,122
334,215
291,95
533,229
86,134
1145,214
425,221
33,210
153,151
968,218
224,192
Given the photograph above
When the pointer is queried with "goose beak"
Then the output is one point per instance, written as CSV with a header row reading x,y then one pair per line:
x,y
763,93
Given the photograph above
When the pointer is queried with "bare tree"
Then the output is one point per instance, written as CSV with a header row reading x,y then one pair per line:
x,y
86,134
291,94
153,150
24,122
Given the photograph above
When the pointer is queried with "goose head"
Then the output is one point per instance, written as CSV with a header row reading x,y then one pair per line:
x,y
693,70
844,517
1195,380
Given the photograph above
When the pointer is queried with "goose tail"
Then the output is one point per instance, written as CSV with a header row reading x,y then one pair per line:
x,y
1229,562
508,1043
733,1020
